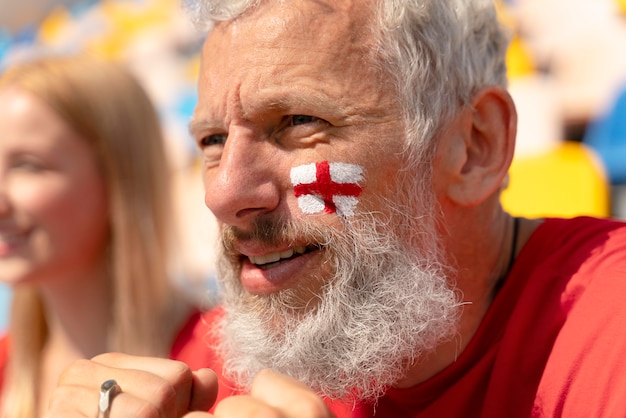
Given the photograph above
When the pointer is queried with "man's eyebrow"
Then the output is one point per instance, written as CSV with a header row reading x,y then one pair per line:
x,y
196,126
286,101
313,102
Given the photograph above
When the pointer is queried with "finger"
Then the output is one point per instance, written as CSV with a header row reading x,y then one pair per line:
x,y
203,390
292,397
171,370
79,401
142,394
173,388
166,388
58,406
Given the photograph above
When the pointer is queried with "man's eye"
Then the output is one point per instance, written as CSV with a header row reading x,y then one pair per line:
x,y
302,119
216,139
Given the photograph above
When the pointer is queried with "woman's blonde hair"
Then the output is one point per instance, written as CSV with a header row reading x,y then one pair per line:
x,y
107,107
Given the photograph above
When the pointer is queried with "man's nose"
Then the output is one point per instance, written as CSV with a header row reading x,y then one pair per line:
x,y
244,184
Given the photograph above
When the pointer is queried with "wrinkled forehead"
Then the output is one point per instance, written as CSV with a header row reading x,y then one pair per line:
x,y
297,45
322,22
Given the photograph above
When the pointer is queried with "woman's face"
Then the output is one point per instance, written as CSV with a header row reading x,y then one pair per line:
x,y
54,219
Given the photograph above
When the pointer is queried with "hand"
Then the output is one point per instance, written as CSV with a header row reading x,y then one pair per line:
x,y
272,396
151,388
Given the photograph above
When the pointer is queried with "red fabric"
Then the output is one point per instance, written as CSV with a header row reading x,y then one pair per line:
x,y
553,343
193,346
4,357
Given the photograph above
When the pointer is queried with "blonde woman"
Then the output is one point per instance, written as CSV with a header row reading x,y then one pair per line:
x,y
85,226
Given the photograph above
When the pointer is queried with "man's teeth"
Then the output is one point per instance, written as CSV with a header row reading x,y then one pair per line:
x,y
274,257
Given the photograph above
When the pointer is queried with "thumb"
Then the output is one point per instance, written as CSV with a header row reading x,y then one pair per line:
x,y
203,390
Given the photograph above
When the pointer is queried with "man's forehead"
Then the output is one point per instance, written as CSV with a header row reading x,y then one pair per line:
x,y
297,28
287,52
272,18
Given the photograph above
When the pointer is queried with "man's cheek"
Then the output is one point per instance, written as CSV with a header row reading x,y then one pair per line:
x,y
329,187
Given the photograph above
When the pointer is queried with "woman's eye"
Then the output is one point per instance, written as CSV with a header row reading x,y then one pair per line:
x,y
28,164
302,119
216,139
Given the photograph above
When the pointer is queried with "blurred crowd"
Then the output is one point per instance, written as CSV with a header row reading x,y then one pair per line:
x,y
567,66
567,70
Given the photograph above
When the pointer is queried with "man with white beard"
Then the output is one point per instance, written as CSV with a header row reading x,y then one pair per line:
x,y
374,280
354,152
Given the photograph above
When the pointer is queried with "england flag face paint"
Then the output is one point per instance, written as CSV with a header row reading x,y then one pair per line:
x,y
328,187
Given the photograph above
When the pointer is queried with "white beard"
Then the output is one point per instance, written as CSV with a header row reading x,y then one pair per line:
x,y
385,308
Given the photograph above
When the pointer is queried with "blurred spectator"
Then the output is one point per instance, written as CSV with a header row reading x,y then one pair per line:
x,y
160,46
86,227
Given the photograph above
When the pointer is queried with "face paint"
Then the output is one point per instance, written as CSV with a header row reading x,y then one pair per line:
x,y
329,187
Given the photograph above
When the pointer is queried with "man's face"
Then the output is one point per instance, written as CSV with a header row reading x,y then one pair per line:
x,y
283,89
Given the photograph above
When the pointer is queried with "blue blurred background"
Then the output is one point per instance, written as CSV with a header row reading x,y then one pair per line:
x,y
5,296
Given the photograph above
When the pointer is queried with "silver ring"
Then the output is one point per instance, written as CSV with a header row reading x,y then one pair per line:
x,y
108,390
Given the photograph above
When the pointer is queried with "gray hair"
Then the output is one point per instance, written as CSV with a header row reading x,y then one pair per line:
x,y
438,53
205,13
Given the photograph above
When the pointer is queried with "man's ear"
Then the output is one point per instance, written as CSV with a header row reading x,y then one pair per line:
x,y
482,147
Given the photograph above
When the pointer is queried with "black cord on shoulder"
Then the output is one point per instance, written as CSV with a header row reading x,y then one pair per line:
x,y
516,222
500,283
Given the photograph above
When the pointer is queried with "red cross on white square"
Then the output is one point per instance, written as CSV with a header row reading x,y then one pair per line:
x,y
329,187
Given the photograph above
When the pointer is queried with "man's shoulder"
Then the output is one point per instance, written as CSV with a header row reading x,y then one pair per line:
x,y
569,258
578,241
581,226
585,373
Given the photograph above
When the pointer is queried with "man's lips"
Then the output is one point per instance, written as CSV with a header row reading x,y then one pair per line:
x,y
277,270
270,259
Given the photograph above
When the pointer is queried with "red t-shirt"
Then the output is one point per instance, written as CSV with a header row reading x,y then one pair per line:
x,y
4,357
553,342
193,346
